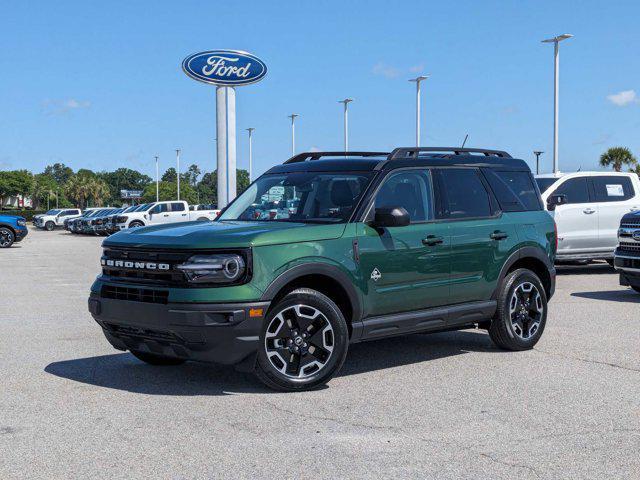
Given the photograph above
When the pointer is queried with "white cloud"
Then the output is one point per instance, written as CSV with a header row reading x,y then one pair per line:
x,y
315,149
52,107
623,98
385,70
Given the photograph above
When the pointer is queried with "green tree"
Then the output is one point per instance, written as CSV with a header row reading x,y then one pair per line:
x,y
168,191
193,172
169,175
14,183
60,172
123,179
616,157
44,188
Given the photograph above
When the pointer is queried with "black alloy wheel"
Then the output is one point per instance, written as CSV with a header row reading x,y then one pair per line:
x,y
6,237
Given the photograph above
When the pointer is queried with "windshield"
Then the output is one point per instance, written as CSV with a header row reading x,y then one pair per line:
x,y
320,197
53,212
545,182
140,208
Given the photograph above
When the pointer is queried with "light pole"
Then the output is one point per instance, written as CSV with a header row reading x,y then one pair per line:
x,y
293,132
556,75
178,170
57,195
157,181
537,154
250,130
346,103
418,80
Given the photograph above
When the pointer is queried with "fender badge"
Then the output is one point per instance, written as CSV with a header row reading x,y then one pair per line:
x,y
376,275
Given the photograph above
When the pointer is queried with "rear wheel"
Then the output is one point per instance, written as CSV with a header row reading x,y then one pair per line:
x,y
6,237
303,342
153,359
522,311
49,226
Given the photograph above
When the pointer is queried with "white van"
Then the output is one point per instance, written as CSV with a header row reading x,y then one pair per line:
x,y
587,208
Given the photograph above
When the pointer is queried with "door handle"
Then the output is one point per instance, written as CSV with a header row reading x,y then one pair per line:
x,y
184,214
432,240
589,211
166,215
498,235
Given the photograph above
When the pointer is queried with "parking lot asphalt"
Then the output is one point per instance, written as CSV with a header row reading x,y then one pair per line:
x,y
448,405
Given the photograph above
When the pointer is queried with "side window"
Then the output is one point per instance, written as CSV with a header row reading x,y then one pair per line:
x,y
464,193
160,208
612,188
575,189
521,185
409,189
177,207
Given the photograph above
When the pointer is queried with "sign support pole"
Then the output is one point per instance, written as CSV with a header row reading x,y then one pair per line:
x,y
226,145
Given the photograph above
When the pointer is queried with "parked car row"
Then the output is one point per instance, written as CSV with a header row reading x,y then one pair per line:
x,y
106,221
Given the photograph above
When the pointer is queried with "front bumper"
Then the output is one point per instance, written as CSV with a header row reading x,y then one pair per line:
x,y
628,265
215,333
21,233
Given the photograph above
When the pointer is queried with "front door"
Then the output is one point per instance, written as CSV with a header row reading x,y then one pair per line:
x,y
405,268
578,219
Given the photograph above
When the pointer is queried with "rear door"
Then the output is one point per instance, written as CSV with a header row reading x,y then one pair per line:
x,y
481,237
615,196
405,268
577,221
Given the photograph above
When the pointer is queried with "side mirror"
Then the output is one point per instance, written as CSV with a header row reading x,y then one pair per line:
x,y
391,217
557,199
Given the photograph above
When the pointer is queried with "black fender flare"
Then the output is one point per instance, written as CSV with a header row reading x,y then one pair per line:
x,y
9,226
325,269
526,252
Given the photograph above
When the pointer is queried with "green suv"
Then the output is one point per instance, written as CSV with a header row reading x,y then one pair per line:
x,y
335,248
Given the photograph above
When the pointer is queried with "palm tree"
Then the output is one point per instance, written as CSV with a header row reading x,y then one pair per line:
x,y
617,157
98,190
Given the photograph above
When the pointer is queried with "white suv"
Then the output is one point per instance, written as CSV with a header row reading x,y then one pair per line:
x,y
56,218
587,208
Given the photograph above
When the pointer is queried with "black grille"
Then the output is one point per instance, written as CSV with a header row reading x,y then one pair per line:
x,y
143,332
135,294
630,223
629,247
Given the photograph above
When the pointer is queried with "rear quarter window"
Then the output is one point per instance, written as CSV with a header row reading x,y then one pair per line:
x,y
515,190
612,188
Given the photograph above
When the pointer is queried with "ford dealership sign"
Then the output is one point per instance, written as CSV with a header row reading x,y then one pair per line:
x,y
224,67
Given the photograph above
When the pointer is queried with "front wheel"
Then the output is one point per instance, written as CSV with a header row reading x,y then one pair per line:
x,y
136,224
153,359
522,311
49,226
303,342
6,237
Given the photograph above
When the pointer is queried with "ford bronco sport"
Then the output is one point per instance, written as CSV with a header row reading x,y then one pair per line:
x,y
363,246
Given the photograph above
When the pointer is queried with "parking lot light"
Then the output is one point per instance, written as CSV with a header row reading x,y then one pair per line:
x,y
293,132
556,75
346,102
418,80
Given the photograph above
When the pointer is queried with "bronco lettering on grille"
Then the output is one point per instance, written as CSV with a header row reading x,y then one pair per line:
x,y
134,265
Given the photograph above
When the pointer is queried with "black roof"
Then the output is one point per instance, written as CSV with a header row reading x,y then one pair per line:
x,y
400,157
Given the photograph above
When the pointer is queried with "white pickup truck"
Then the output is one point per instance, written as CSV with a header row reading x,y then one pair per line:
x,y
163,212
55,218
587,208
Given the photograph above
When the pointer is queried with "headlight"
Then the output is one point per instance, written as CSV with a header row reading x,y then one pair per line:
x,y
22,222
220,268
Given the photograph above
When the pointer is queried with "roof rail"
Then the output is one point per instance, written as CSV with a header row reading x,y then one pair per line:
x,y
302,157
408,152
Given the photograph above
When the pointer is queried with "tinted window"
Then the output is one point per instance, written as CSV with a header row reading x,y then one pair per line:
x,y
160,208
612,188
515,191
410,190
544,183
575,189
465,194
177,207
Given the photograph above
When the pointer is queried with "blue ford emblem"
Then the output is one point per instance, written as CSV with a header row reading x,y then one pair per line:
x,y
636,235
224,67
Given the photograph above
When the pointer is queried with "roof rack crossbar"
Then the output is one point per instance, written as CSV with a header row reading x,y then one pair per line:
x,y
306,156
408,152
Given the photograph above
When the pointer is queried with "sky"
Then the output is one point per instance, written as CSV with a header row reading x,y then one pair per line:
x,y
99,85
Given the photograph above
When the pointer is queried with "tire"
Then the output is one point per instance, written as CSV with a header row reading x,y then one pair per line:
x,y
136,223
522,311
610,262
7,237
153,359
311,323
636,288
49,226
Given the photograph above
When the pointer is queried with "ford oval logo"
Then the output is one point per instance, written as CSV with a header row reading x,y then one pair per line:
x,y
224,67
636,235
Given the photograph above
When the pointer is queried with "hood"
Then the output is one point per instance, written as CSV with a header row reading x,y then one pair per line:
x,y
227,234
633,218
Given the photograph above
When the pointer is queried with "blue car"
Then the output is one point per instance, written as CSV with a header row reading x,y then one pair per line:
x,y
12,229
